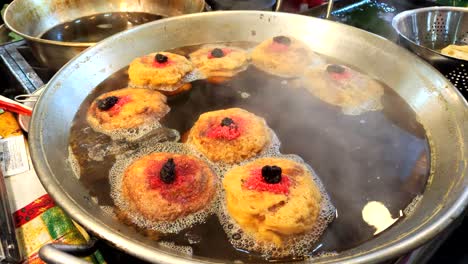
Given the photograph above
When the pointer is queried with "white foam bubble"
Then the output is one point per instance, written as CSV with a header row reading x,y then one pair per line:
x,y
373,104
74,164
244,95
164,88
322,255
188,78
100,151
193,76
108,209
199,75
172,246
134,134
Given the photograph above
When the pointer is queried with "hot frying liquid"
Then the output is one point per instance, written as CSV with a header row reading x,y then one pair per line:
x,y
97,27
373,165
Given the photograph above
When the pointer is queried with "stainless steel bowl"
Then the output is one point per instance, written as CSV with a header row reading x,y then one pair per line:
x,y
438,105
426,31
31,19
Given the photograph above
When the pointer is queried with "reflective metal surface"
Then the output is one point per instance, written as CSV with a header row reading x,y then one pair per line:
x,y
329,9
32,18
57,253
440,107
278,5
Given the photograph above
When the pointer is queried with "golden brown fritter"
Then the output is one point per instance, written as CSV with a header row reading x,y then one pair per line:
x,y
146,72
283,60
272,211
231,60
134,107
342,86
192,189
247,136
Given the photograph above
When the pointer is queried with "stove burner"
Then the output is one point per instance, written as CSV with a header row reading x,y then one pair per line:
x,y
20,73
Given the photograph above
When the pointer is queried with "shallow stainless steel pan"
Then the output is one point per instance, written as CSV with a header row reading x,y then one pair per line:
x,y
441,109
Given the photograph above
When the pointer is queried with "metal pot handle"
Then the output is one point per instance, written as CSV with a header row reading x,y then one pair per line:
x,y
329,9
55,253
24,98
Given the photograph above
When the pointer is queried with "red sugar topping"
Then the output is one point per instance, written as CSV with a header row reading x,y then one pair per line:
x,y
231,132
185,186
256,182
226,51
278,47
162,65
115,110
224,132
340,76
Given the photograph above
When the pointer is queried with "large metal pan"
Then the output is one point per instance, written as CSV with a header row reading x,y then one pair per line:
x,y
31,19
440,107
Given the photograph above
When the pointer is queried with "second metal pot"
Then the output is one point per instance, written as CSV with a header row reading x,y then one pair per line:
x,y
31,19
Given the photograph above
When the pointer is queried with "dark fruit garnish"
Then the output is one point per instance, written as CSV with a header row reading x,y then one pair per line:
x,y
160,58
167,173
217,53
333,68
282,40
227,121
271,174
107,103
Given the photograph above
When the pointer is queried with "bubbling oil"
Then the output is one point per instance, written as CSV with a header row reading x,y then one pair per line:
x,y
172,246
360,158
294,245
133,134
